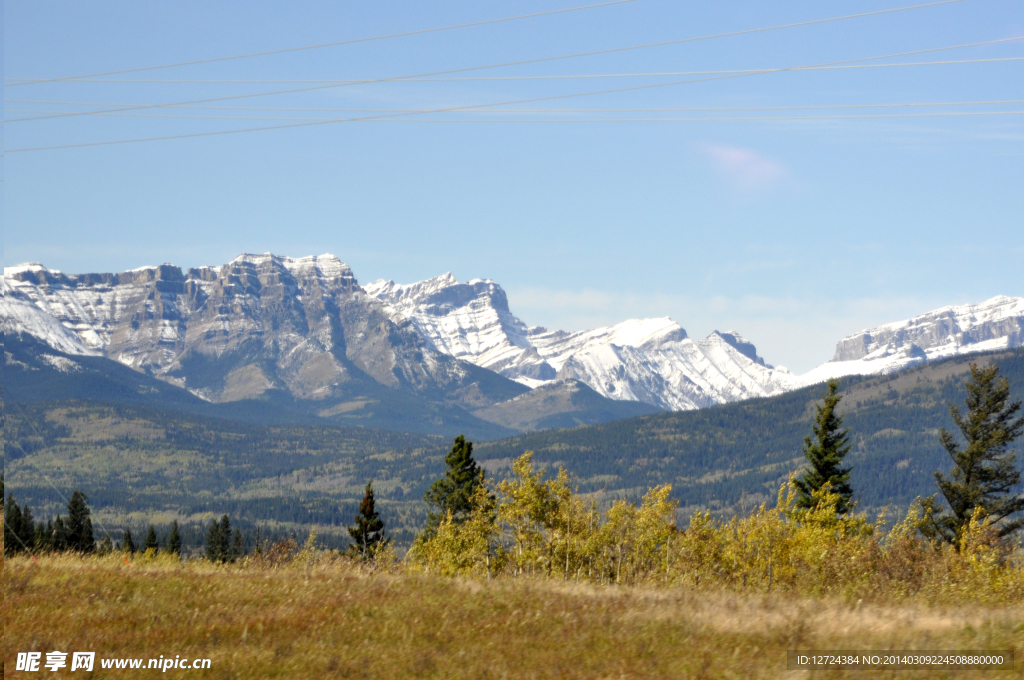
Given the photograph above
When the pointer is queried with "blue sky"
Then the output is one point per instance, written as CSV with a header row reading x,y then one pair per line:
x,y
793,232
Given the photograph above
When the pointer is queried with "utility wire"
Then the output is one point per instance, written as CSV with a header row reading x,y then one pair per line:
x,y
603,110
122,106
557,111
36,81
465,108
354,81
512,63
594,119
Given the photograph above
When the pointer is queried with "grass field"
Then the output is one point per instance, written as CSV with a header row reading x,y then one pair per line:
x,y
331,619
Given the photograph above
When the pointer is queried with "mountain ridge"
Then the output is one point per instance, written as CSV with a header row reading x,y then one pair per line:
x,y
265,325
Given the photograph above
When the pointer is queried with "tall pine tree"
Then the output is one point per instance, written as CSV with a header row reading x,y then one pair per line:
x,y
174,539
368,531
79,524
825,454
453,492
12,526
129,544
984,474
218,540
151,540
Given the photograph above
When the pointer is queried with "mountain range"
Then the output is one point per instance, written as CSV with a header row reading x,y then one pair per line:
x,y
303,334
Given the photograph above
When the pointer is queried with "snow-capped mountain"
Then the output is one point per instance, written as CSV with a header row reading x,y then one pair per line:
x,y
997,323
258,323
305,327
647,360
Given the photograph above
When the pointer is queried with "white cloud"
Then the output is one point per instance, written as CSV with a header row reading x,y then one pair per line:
x,y
745,168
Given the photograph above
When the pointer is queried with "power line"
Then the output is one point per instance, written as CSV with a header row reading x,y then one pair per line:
x,y
598,120
515,63
355,81
837,66
125,106
715,108
556,111
466,108
35,81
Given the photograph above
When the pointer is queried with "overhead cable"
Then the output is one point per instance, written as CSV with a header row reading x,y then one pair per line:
x,y
36,81
521,62
464,108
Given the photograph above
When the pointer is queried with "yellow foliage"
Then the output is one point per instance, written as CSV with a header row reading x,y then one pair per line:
x,y
540,527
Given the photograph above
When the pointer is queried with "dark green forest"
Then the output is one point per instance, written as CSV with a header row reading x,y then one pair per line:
x,y
732,457
140,464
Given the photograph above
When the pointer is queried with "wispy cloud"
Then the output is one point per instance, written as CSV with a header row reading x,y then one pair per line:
x,y
745,168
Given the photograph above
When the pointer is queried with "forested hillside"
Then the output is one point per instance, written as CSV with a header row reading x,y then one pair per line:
x,y
140,464
733,457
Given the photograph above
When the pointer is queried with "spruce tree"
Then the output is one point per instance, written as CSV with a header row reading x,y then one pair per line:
x,y
60,535
453,492
825,455
47,542
984,473
368,531
218,538
106,547
237,546
174,539
129,544
79,524
12,525
27,530
151,540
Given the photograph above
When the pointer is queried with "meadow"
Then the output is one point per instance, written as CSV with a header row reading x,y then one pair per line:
x,y
318,615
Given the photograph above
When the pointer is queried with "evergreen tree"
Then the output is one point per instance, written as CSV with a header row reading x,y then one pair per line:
x,y
453,492
151,540
12,525
27,530
60,535
218,539
79,524
237,546
39,540
129,544
105,546
48,536
174,539
985,473
825,455
368,531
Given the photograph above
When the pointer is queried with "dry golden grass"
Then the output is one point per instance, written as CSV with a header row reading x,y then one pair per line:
x,y
334,620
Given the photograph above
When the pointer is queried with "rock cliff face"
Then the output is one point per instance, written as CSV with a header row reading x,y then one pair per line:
x,y
258,323
647,360
997,323
306,328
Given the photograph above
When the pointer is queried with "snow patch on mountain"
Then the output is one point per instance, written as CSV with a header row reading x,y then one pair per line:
x,y
19,314
995,324
647,360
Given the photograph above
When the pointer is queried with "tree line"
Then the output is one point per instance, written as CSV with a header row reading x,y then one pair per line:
x,y
529,523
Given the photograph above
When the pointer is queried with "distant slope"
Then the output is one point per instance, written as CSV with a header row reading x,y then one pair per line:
x,y
567,403
34,372
734,456
139,464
